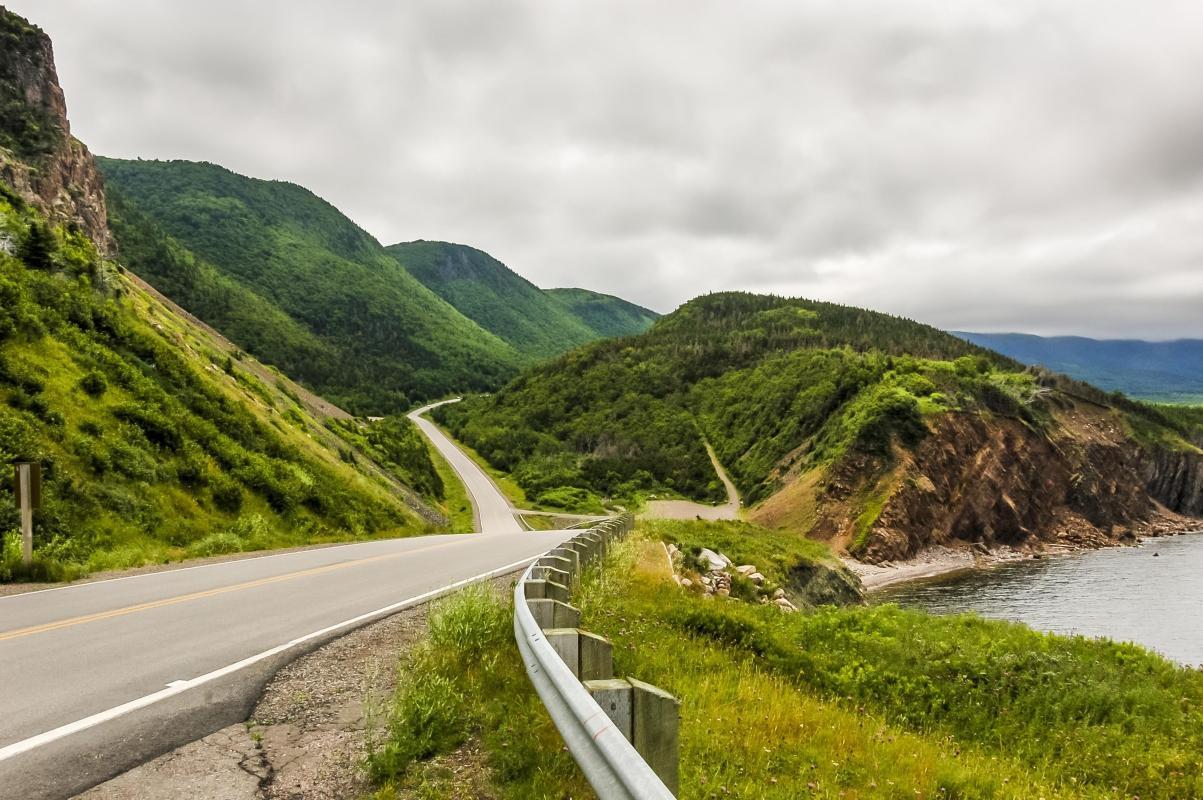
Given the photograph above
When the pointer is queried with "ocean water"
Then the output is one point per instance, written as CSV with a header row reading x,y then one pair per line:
x,y
1151,594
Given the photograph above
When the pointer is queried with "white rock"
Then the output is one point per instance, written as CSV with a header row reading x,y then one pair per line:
x,y
784,604
686,582
779,594
706,581
713,559
728,561
746,569
756,578
724,592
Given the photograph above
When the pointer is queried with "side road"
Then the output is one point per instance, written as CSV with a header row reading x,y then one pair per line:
x,y
494,514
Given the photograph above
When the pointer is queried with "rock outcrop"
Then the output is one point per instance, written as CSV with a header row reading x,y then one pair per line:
x,y
995,481
1175,479
39,158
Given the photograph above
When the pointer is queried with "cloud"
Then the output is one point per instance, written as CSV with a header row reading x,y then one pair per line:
x,y
1021,166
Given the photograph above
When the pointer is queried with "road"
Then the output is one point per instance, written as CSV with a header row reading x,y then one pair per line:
x,y
494,514
98,677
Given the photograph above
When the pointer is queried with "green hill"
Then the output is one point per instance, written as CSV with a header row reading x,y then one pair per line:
x,y
607,315
877,432
622,416
536,322
498,299
156,442
286,276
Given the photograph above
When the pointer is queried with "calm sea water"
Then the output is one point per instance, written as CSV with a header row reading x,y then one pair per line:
x,y
1123,593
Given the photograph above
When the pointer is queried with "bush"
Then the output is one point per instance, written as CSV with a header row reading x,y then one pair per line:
x,y
227,496
93,384
216,544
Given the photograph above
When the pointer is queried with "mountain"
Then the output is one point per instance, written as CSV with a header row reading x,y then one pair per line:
x,y
289,278
606,315
1170,372
877,433
157,437
535,322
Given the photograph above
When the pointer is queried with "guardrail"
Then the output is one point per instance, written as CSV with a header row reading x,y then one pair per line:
x,y
613,745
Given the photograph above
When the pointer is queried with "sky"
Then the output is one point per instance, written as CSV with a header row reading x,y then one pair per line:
x,y
993,166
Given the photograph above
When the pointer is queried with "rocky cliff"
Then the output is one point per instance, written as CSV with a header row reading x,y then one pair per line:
x,y
994,480
39,158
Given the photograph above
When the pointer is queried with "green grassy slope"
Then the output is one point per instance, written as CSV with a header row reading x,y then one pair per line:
x,y
855,702
285,275
158,444
498,299
607,315
760,376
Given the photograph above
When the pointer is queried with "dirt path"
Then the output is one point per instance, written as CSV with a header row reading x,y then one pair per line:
x,y
687,509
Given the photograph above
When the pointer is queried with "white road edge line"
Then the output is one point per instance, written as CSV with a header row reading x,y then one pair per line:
x,y
177,687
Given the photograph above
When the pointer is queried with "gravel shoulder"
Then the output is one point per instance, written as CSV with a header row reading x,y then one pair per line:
x,y
306,738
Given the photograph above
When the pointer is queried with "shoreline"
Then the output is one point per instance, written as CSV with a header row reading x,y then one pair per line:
x,y
943,560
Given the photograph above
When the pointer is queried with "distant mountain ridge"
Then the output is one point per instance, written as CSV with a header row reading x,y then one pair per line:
x,y
287,276
1170,371
536,322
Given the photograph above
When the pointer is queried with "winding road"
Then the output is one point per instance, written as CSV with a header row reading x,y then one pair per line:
x,y
98,677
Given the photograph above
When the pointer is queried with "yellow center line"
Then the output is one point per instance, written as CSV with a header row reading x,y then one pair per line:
x,y
184,598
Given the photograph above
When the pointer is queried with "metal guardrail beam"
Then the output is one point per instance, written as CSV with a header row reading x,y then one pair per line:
x,y
611,764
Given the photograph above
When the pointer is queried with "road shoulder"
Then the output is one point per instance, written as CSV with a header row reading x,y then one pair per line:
x,y
307,735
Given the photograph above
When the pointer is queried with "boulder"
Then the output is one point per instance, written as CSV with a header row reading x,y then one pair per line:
x,y
746,569
778,593
712,560
756,578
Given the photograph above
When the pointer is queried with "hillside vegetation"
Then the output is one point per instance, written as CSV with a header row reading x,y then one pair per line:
x,y
624,417
536,323
156,443
878,433
285,275
607,315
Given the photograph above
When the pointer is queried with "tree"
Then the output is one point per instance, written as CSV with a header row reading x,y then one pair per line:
x,y
38,248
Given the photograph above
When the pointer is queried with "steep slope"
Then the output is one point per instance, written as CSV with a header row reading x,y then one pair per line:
x,y
363,331
877,433
1169,372
39,159
536,322
157,439
498,299
607,315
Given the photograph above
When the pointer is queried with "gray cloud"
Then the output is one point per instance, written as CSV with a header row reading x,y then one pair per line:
x,y
1029,166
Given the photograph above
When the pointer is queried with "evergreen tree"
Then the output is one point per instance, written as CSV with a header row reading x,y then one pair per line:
x,y
37,248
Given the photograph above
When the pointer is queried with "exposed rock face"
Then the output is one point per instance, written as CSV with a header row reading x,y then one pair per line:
x,y
998,482
39,158
1176,480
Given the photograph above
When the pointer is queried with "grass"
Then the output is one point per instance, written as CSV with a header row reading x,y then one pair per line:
x,y
834,703
456,504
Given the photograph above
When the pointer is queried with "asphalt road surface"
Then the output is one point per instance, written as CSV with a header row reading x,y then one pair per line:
x,y
98,677
494,514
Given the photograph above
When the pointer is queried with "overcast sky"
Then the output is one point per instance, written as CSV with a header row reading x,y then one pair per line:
x,y
1018,165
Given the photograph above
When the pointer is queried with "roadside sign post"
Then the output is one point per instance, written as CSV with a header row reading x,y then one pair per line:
x,y
28,484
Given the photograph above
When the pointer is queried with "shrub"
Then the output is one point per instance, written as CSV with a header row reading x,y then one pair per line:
x,y
227,496
93,384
